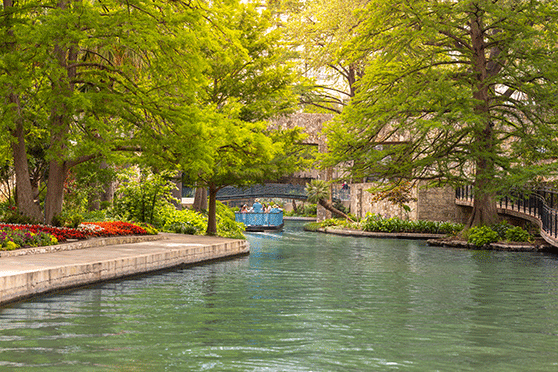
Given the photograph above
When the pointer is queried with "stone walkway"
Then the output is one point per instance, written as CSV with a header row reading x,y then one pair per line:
x,y
45,269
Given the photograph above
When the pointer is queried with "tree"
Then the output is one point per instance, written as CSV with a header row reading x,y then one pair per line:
x,y
455,92
96,77
249,80
319,30
318,191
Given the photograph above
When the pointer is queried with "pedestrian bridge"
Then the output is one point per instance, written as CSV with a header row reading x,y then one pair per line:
x,y
276,190
268,190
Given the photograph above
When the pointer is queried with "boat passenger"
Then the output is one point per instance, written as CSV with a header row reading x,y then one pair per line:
x,y
257,207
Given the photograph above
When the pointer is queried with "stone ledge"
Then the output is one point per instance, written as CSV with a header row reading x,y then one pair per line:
x,y
28,276
510,247
82,244
381,235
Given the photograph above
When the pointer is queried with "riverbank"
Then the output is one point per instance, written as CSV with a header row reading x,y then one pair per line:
x,y
380,235
28,272
442,240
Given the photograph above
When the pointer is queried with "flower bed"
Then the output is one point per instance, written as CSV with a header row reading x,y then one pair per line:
x,y
115,228
86,230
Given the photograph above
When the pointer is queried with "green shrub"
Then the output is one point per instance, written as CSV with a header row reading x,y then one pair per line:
x,y
67,219
185,221
190,222
227,226
376,223
331,222
482,235
312,226
449,228
501,228
140,200
148,228
517,234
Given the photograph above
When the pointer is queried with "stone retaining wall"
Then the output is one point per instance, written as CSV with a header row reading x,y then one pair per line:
x,y
26,276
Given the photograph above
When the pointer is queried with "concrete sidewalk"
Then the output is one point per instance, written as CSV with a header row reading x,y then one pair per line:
x,y
37,272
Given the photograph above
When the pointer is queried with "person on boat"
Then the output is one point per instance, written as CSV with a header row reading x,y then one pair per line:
x,y
257,207
244,209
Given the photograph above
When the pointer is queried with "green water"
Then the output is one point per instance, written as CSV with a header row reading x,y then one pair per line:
x,y
303,302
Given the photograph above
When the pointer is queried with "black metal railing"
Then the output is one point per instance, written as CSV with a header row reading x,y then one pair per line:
x,y
270,190
537,203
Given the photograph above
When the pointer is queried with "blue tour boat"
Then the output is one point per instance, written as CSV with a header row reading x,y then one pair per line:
x,y
258,220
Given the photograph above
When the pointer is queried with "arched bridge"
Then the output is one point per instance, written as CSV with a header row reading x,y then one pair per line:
x,y
269,190
538,206
277,190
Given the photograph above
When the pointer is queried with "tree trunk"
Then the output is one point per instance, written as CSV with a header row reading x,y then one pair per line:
x,y
212,212
59,128
24,191
200,199
55,189
336,212
483,146
484,202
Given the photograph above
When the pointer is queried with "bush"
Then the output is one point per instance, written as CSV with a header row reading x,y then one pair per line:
x,y
517,234
141,200
312,226
501,228
482,235
149,229
331,222
190,222
67,219
227,226
376,223
185,221
308,210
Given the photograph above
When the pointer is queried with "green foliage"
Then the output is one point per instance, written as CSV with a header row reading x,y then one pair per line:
x,y
517,234
308,210
140,199
330,222
317,190
511,233
394,224
227,227
182,221
428,92
148,228
98,215
10,214
482,235
501,228
67,219
312,226
187,221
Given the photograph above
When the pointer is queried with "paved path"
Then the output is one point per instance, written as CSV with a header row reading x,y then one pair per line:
x,y
27,275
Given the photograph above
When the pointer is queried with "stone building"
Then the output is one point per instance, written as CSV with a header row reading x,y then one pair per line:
x,y
435,204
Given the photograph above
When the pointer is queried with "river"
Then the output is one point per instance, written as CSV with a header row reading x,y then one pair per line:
x,y
302,301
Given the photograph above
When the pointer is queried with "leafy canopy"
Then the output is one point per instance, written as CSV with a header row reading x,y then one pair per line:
x,y
454,92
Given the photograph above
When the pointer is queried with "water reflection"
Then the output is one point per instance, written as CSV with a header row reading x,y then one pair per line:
x,y
303,302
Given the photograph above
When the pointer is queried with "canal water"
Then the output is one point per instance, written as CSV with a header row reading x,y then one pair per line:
x,y
303,302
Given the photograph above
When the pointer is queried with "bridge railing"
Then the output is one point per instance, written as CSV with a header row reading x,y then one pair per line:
x,y
538,204
260,218
270,190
